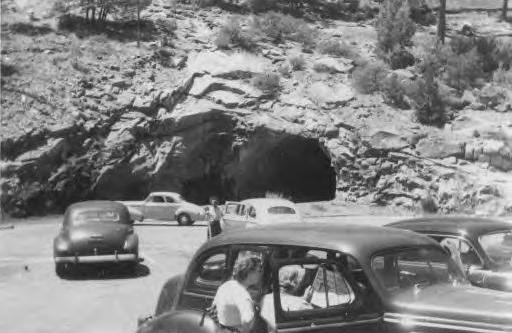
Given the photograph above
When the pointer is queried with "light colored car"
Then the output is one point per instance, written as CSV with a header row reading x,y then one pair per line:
x,y
259,212
169,206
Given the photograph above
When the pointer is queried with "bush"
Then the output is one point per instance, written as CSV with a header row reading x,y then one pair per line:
x,y
423,14
297,62
269,83
232,33
430,108
401,58
279,27
394,92
369,77
394,26
429,205
335,48
463,70
503,54
503,77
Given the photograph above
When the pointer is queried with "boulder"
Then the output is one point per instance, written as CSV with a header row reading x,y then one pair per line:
x,y
387,141
226,98
332,65
439,147
323,95
229,66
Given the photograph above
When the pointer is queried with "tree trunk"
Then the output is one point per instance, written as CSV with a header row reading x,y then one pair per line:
x,y
441,24
504,10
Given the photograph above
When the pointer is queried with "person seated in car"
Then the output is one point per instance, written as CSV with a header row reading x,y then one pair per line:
x,y
290,278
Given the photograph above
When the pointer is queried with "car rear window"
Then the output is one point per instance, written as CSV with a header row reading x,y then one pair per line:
x,y
281,210
96,216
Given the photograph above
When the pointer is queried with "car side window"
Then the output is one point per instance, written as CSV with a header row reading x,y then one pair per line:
x,y
252,212
468,254
210,273
156,199
170,199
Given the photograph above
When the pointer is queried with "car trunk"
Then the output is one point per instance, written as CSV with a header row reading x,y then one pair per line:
x,y
98,238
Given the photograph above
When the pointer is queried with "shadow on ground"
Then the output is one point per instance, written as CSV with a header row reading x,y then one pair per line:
x,y
95,272
124,31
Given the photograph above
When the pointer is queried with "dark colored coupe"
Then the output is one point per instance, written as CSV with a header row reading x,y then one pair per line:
x,y
349,279
485,246
95,232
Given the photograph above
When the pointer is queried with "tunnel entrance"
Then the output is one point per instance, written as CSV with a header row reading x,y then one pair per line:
x,y
294,167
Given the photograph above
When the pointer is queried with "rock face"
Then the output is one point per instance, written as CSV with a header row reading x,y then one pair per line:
x,y
204,129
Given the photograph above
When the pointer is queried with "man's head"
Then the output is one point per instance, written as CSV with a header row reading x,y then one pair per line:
x,y
214,202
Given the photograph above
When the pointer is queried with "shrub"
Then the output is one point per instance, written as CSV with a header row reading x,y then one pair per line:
x,y
463,70
369,77
285,70
394,26
232,33
279,27
297,62
336,48
166,26
429,205
401,58
394,92
503,54
423,14
430,108
503,77
268,82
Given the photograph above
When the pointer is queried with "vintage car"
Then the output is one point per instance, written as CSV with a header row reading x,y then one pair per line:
x,y
259,212
169,206
352,279
484,245
95,232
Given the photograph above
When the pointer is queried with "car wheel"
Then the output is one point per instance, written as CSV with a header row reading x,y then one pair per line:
x,y
184,219
61,269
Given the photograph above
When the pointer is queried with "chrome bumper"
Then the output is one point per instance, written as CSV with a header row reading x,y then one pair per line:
x,y
99,258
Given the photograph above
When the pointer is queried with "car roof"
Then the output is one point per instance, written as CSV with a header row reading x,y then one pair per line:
x,y
103,204
173,194
263,203
360,241
453,225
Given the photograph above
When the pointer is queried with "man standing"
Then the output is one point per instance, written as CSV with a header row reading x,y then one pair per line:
x,y
214,215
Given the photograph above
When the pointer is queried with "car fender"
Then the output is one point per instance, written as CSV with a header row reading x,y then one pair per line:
x,y
192,210
169,294
179,322
136,214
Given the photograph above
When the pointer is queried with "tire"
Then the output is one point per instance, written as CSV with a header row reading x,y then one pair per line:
x,y
184,219
61,269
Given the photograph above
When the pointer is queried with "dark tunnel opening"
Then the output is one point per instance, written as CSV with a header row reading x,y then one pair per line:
x,y
293,167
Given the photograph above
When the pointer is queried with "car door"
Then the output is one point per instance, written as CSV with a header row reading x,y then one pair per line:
x,y
234,215
330,301
155,207
171,208
204,278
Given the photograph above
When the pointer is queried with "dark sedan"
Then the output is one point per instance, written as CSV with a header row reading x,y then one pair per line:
x,y
484,245
95,232
349,279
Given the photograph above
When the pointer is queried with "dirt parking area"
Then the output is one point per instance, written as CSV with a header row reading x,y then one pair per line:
x,y
35,300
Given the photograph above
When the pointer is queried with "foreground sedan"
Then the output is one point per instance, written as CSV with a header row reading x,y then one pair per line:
x,y
348,278
483,245
95,232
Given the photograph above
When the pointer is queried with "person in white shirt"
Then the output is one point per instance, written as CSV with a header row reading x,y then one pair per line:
x,y
234,306
214,215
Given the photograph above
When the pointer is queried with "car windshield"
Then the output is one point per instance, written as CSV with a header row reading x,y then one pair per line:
x,y
415,268
95,216
281,210
498,246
